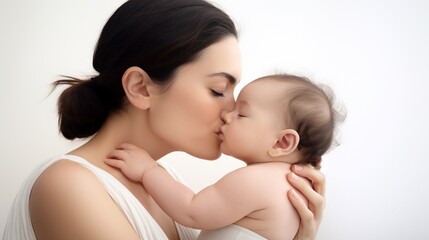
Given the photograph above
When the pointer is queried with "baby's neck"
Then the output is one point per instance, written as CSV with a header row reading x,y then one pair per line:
x,y
288,159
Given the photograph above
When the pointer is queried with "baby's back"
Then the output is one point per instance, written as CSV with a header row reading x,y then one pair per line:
x,y
279,219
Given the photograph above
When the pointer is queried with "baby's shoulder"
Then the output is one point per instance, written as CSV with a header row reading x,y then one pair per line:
x,y
263,175
275,168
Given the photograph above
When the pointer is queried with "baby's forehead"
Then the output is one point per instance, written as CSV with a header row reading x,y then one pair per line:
x,y
263,94
266,88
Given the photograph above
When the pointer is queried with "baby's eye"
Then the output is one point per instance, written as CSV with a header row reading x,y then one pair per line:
x,y
217,94
241,115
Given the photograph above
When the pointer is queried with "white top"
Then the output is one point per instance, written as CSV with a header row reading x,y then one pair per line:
x,y
19,226
230,232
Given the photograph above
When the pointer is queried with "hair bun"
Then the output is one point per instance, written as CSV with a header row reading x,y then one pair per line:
x,y
81,108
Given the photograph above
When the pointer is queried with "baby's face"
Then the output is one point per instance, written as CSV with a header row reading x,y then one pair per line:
x,y
252,128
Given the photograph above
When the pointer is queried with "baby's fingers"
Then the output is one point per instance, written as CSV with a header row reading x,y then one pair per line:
x,y
126,146
114,163
118,154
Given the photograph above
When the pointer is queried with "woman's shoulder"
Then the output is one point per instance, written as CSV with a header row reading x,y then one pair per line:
x,y
64,175
69,197
64,183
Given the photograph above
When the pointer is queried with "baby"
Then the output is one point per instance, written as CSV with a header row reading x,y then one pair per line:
x,y
278,120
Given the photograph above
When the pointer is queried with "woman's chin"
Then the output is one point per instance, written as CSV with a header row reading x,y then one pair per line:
x,y
207,155
214,156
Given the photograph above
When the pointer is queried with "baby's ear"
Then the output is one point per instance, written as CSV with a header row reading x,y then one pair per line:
x,y
287,141
137,84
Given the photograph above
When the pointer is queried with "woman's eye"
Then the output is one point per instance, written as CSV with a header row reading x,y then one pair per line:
x,y
217,94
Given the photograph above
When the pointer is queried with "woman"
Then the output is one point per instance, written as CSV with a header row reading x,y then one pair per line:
x,y
151,57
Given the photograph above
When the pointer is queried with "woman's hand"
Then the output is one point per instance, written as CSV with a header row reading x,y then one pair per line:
x,y
310,215
131,160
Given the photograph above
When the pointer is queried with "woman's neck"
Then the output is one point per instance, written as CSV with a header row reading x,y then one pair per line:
x,y
125,127
131,127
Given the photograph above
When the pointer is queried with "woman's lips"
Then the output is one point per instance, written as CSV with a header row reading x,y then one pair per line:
x,y
220,134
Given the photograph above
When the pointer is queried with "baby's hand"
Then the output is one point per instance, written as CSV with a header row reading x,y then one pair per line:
x,y
131,160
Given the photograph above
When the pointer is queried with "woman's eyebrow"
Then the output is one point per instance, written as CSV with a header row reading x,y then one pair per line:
x,y
228,76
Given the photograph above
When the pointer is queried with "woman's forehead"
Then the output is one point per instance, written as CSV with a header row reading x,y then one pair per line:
x,y
222,57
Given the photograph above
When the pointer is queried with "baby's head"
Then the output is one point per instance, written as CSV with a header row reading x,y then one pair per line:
x,y
281,118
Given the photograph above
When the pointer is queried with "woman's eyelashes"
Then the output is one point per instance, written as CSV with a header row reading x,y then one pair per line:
x,y
217,93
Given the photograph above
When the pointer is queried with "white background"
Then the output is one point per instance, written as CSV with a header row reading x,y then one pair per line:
x,y
374,54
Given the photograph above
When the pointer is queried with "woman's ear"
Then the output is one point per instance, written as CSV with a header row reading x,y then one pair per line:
x,y
136,83
287,141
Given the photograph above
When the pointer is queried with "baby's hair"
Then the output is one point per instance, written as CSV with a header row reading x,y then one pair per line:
x,y
310,110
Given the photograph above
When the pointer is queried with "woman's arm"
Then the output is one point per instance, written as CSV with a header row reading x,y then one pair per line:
x,y
310,215
69,202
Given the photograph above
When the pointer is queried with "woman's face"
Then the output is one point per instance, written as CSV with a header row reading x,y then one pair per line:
x,y
187,116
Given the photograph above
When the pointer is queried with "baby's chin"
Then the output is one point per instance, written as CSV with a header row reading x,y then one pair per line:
x,y
225,150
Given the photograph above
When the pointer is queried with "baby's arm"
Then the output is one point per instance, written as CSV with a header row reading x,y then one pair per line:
x,y
231,198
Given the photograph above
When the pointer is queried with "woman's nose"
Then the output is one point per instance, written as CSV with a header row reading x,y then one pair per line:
x,y
227,117
230,104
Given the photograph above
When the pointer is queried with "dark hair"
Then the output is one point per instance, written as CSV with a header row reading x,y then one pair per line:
x,y
155,35
311,112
